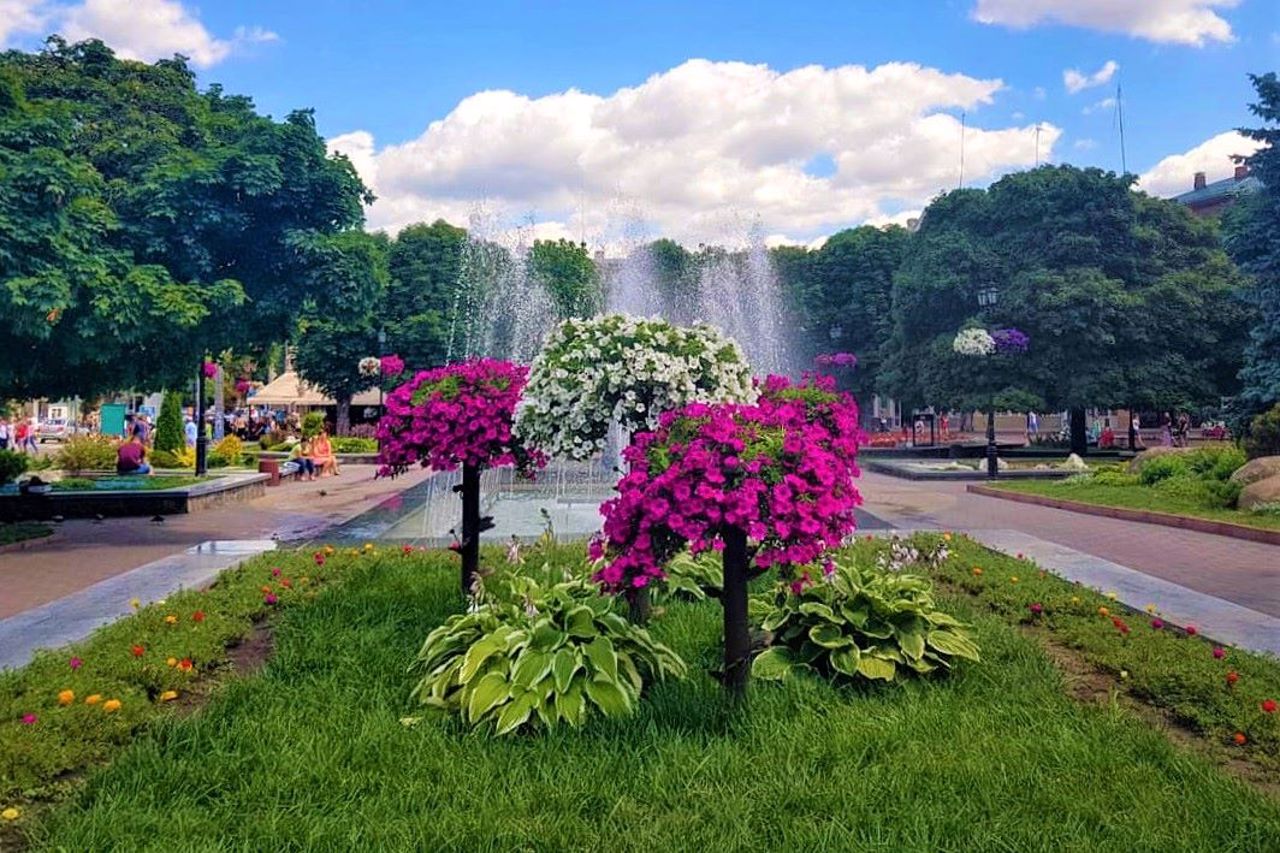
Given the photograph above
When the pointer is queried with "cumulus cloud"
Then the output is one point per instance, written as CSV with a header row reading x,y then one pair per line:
x,y
700,139
1099,106
1077,81
1191,22
1175,173
135,29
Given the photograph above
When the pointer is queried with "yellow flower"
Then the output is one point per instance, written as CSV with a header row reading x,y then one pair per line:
x,y
946,537
93,699
171,662
1013,579
1112,595
368,546
111,705
1124,673
11,813
1150,608
171,619
168,696
1102,611
328,549
66,697
977,571
1075,599
135,603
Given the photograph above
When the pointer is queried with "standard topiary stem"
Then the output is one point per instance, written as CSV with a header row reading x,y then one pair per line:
x,y
737,635
470,527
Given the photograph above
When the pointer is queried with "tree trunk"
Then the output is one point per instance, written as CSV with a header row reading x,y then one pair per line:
x,y
737,636
343,425
470,527
639,605
1079,436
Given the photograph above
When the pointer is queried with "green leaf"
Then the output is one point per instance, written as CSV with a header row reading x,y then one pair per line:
x,y
912,643
565,665
773,664
829,636
952,643
489,692
580,622
775,620
609,698
856,614
876,668
817,608
845,660
531,667
571,705
546,636
603,658
476,656
516,713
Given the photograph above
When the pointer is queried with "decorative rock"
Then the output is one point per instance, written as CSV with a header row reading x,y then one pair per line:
x,y
1136,463
1074,463
1262,468
1262,492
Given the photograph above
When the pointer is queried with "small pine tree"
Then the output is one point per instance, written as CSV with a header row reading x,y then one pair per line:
x,y
170,434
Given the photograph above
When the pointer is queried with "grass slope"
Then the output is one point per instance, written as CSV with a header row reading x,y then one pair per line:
x,y
311,754
1139,497
21,531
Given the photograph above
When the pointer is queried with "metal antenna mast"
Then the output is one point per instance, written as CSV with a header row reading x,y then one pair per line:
x,y
1124,163
962,117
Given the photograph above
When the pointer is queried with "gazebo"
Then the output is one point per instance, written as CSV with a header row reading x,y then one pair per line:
x,y
289,391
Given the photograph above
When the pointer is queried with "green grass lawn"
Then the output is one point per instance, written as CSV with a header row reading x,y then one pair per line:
x,y
23,530
1138,497
311,754
137,483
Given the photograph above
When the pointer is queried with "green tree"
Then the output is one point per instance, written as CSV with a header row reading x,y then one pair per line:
x,y
1126,298
170,433
333,336
144,223
1252,236
569,274
424,264
675,275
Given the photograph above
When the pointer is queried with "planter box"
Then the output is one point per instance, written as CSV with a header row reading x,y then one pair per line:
x,y
229,488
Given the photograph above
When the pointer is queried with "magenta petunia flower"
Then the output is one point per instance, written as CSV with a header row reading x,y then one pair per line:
x,y
269,598
29,719
1157,624
1037,608
1219,652
75,663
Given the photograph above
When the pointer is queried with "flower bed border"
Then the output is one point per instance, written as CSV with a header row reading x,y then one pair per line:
x,y
1145,516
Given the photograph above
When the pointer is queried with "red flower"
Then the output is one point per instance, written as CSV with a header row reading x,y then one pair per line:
x,y
269,598
138,651
1037,608
286,583
1240,739
455,547
1191,630
1120,626
1232,677
185,664
29,719
319,558
408,549
198,616
275,573
1269,706
1219,652
1157,624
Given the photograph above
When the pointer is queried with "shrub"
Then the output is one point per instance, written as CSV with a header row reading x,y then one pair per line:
x,y
351,444
1264,434
270,440
551,658
1223,494
695,576
230,449
1162,468
170,434
87,453
312,423
12,465
1115,478
859,623
1216,463
183,458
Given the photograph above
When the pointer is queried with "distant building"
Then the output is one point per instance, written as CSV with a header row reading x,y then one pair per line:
x,y
1207,199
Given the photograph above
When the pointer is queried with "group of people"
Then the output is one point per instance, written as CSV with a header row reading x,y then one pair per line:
x,y
19,435
312,457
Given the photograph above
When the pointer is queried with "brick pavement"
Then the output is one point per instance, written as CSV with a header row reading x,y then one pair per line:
x,y
87,552
1246,573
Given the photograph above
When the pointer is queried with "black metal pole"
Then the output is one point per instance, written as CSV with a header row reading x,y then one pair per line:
x,y
737,635
992,450
202,442
1133,433
470,527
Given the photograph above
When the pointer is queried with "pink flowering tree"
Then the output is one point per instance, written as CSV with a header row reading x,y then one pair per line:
x,y
770,485
456,416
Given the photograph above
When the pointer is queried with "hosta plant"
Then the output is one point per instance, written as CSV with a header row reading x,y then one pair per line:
x,y
694,576
559,655
859,623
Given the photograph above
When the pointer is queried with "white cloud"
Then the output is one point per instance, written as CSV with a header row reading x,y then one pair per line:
x,y
1104,104
1040,93
1084,144
135,29
1077,81
1191,22
1175,173
693,142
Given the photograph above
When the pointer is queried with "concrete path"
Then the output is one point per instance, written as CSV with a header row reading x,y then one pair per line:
x,y
87,552
1246,573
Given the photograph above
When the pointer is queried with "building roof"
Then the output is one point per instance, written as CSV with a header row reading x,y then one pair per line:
x,y
288,389
1219,191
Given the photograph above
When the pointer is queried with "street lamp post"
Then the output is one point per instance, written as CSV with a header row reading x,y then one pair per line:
x,y
202,441
987,298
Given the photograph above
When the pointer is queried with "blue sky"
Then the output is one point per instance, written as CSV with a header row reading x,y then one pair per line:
x,y
385,70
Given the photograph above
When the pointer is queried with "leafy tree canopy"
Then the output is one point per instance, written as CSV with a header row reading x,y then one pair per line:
x,y
566,270
424,262
143,222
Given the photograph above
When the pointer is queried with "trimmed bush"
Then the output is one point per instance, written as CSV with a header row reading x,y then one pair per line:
x,y
351,444
229,450
87,453
12,465
312,424
184,458
170,435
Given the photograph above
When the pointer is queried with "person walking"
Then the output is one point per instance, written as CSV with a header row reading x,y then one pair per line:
x,y
4,433
1166,430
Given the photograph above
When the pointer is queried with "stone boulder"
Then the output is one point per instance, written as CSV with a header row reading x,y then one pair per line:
x,y
1262,468
1074,463
1136,463
1262,492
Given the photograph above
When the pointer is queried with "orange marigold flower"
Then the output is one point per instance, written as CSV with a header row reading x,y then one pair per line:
x,y
138,651
977,571
1102,611
198,616
93,699
171,619
185,664
66,697
111,705
171,662
1233,677
168,696
1240,739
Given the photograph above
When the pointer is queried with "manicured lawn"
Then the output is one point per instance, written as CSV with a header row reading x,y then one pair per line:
x,y
144,484
22,531
1139,497
311,754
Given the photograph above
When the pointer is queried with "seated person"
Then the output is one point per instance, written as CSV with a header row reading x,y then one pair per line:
x,y
131,456
322,454
1108,438
300,460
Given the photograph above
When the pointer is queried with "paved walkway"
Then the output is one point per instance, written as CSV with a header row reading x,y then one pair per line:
x,y
1246,573
87,552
